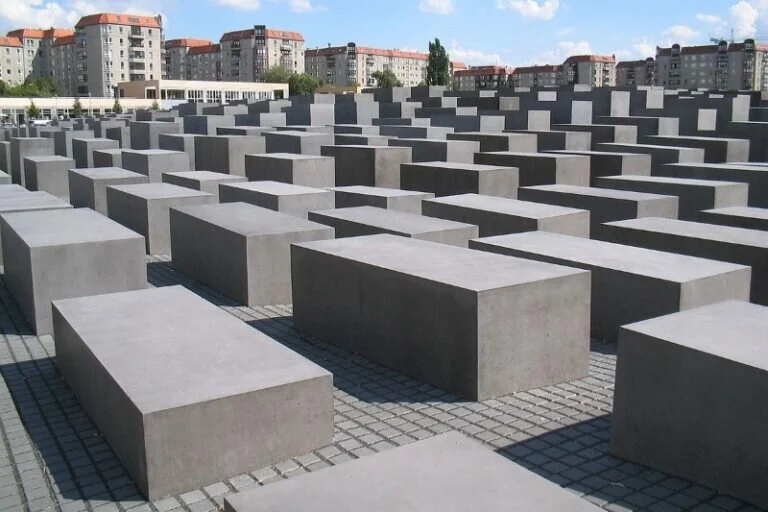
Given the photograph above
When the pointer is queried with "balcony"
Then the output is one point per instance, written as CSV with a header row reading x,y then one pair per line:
x,y
136,55
133,44
136,66
135,77
136,33
286,47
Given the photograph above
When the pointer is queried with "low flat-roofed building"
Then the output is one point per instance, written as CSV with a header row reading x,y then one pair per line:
x,y
201,91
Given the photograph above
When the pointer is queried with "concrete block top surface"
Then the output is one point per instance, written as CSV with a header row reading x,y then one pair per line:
x,y
749,166
249,220
48,158
666,266
692,182
183,350
152,152
378,191
548,156
392,220
650,146
727,234
277,188
683,138
297,133
608,193
12,189
66,226
107,173
454,266
583,152
430,474
204,176
731,330
461,166
505,205
151,191
115,151
741,211
31,201
95,139
291,156
180,135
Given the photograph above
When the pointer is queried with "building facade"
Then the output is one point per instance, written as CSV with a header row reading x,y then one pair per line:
x,y
592,70
635,72
537,76
722,66
11,61
246,54
63,64
203,63
481,77
36,47
203,91
176,51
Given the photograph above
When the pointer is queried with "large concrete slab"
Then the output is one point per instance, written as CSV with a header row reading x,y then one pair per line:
x,y
603,163
751,173
226,153
298,142
524,142
624,134
499,216
180,142
451,178
737,216
435,150
108,158
373,166
144,209
629,284
369,220
548,140
62,140
58,254
282,197
88,187
304,170
716,149
389,198
722,243
82,150
430,474
154,162
687,400
48,174
660,155
542,168
146,134
24,147
390,298
184,393
204,181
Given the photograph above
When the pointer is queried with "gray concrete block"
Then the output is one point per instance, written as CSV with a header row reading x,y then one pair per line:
x,y
360,140
694,195
735,216
357,129
5,179
24,147
388,298
415,132
449,178
500,216
226,153
144,208
722,243
599,133
204,181
305,170
184,142
282,197
369,220
604,205
82,150
243,130
5,156
373,166
433,150
12,201
108,158
48,174
751,173
63,253
146,134
686,399
660,155
88,187
252,401
430,474
549,140
716,149
298,142
240,250
629,284
389,198
62,140
646,125
542,168
206,124
602,163
520,142
154,162
305,129
121,134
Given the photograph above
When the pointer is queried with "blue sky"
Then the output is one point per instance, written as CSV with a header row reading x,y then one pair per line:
x,y
510,32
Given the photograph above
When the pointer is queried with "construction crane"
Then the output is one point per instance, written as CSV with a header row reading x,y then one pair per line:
x,y
717,40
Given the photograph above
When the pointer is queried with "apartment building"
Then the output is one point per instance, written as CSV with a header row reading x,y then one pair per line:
x,y
537,76
635,72
722,66
36,49
11,61
63,64
203,63
481,77
592,70
246,54
176,56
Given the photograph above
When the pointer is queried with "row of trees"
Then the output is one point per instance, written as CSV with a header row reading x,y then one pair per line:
x,y
33,111
37,88
298,83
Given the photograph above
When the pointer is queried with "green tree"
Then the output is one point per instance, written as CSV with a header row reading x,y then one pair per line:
x,y
155,106
438,65
276,75
32,111
299,85
3,88
386,78
77,108
117,108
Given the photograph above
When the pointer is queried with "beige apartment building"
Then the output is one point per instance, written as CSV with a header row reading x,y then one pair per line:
x,y
635,72
63,64
11,61
481,77
722,66
203,63
176,51
246,54
591,70
36,49
537,76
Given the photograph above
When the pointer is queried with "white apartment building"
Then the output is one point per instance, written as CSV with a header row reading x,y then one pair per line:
x,y
635,72
481,77
176,51
203,63
11,61
246,54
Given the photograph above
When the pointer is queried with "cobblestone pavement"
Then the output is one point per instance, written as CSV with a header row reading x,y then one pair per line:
x,y
53,458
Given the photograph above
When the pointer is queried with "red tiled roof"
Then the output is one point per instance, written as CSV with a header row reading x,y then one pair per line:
x,y
548,68
739,47
698,50
210,48
23,33
61,41
186,42
319,52
10,41
484,70
630,64
276,33
237,35
608,59
58,32
458,66
106,18
364,50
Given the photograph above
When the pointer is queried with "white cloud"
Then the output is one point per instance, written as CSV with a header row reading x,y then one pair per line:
x,y
533,9
744,17
472,57
708,18
65,13
565,31
242,5
442,7
302,6
562,51
680,33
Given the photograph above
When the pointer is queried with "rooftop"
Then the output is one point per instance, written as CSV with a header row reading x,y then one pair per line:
x,y
106,18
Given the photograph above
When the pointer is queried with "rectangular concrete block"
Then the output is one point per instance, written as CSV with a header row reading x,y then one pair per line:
x,y
154,162
415,132
373,166
48,174
88,187
500,216
206,124
433,150
252,401
184,142
62,140
388,298
716,149
603,163
24,147
722,243
243,130
389,198
144,208
304,170
450,178
204,181
108,158
629,284
736,216
549,140
146,134
298,142
660,155
751,173
522,142
282,197
12,201
64,253
5,156
121,134
542,168
82,150
624,134
604,205
369,220
226,153
240,250
687,400
430,474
